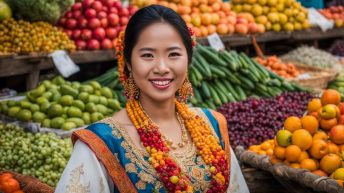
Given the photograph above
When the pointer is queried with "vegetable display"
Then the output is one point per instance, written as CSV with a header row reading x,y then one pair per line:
x,y
255,120
62,104
273,63
338,84
43,156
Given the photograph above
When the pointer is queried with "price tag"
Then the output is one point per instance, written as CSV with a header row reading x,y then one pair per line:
x,y
216,42
64,63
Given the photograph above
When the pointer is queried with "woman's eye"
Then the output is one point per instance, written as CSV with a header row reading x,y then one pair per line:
x,y
147,55
174,54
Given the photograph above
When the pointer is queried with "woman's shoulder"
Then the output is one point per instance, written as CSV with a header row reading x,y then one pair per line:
x,y
210,113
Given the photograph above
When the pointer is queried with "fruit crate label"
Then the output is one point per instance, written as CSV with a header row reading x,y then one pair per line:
x,y
64,63
315,18
216,42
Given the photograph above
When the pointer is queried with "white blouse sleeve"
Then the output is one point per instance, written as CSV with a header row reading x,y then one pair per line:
x,y
237,182
84,173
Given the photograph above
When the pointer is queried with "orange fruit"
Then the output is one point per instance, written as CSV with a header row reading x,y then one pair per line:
x,y
329,163
254,148
279,152
292,124
332,148
304,155
309,164
261,152
302,138
319,173
319,149
269,152
337,134
340,183
320,135
275,160
328,124
292,153
310,123
330,96
295,165
314,105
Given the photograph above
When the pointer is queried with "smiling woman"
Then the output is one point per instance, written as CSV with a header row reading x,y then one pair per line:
x,y
157,143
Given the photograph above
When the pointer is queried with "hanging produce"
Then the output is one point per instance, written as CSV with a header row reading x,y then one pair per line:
x,y
335,13
62,104
275,15
95,24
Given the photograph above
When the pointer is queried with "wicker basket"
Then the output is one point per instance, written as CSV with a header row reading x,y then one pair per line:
x,y
30,184
292,180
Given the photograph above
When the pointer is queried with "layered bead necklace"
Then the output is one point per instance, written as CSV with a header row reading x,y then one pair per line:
x,y
158,148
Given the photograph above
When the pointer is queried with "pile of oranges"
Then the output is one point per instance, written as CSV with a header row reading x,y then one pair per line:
x,y
8,184
314,142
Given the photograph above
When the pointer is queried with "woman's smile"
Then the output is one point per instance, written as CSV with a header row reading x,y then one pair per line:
x,y
161,83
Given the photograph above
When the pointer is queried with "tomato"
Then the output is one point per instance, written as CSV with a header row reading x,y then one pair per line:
x,y
5,176
10,185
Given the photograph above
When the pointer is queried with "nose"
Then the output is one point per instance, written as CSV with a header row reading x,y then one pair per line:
x,y
162,67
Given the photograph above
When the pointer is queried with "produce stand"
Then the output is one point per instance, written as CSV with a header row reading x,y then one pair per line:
x,y
293,180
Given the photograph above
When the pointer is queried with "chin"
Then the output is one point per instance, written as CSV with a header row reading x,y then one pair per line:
x,y
160,97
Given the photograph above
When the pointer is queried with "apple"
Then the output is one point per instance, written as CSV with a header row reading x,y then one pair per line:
x,y
104,23
123,12
111,33
113,19
337,134
118,4
97,5
132,9
90,13
77,14
109,3
284,138
68,32
341,108
62,21
82,22
87,3
93,44
113,10
76,34
86,34
77,6
123,21
106,9
80,44
69,14
101,15
106,44
93,23
71,23
341,120
99,33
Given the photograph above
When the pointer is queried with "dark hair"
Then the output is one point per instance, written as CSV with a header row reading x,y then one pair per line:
x,y
149,15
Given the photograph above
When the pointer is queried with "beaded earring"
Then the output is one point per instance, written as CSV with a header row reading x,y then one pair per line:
x,y
130,88
185,91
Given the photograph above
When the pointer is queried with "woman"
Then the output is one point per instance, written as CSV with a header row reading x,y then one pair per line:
x,y
156,143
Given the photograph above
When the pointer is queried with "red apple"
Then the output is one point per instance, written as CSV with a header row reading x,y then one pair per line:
x,y
101,15
87,3
97,5
99,33
90,13
93,23
104,23
69,14
77,14
68,32
76,34
82,22
123,21
93,44
106,9
341,120
113,10
80,44
86,34
71,23
62,21
117,4
109,3
111,33
132,9
341,108
113,19
77,6
123,12
106,44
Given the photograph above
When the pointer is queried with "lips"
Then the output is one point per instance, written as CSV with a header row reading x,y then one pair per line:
x,y
161,83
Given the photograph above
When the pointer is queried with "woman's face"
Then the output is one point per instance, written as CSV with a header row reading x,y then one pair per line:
x,y
159,62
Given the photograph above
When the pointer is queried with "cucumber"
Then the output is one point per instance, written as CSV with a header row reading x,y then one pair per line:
x,y
210,56
214,95
244,71
193,100
197,73
246,82
261,87
243,63
233,78
231,89
216,71
274,82
203,63
240,92
200,69
222,95
205,90
197,95
193,78
210,104
231,97
288,86
232,64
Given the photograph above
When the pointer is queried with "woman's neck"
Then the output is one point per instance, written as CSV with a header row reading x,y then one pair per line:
x,y
158,111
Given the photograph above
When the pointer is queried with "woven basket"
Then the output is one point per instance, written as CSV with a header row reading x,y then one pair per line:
x,y
30,184
292,180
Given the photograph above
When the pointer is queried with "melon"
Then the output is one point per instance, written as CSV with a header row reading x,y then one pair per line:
x,y
5,11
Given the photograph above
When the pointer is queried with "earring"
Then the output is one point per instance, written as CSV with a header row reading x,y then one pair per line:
x,y
130,88
185,91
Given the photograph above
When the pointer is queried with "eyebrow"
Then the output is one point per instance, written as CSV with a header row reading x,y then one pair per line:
x,y
152,49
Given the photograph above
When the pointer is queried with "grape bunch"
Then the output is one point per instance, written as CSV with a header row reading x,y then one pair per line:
x,y
43,156
255,120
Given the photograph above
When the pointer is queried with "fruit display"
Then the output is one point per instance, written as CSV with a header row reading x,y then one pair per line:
x,y
285,70
62,104
209,16
338,84
95,24
43,10
275,15
255,120
43,156
5,11
221,77
311,56
22,37
8,184
315,141
335,13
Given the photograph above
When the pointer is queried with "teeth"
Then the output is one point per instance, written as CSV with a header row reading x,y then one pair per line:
x,y
162,83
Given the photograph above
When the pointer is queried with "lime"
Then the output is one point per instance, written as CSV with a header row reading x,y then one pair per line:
x,y
12,103
66,100
91,107
46,83
96,117
25,104
46,123
79,104
45,106
114,104
86,88
24,115
68,90
103,100
34,108
12,111
106,92
38,91
40,100
93,99
57,122
101,109
79,122
56,97
58,80
48,95
68,126
55,110
76,85
74,112
83,97
86,117
54,88
38,117
95,85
